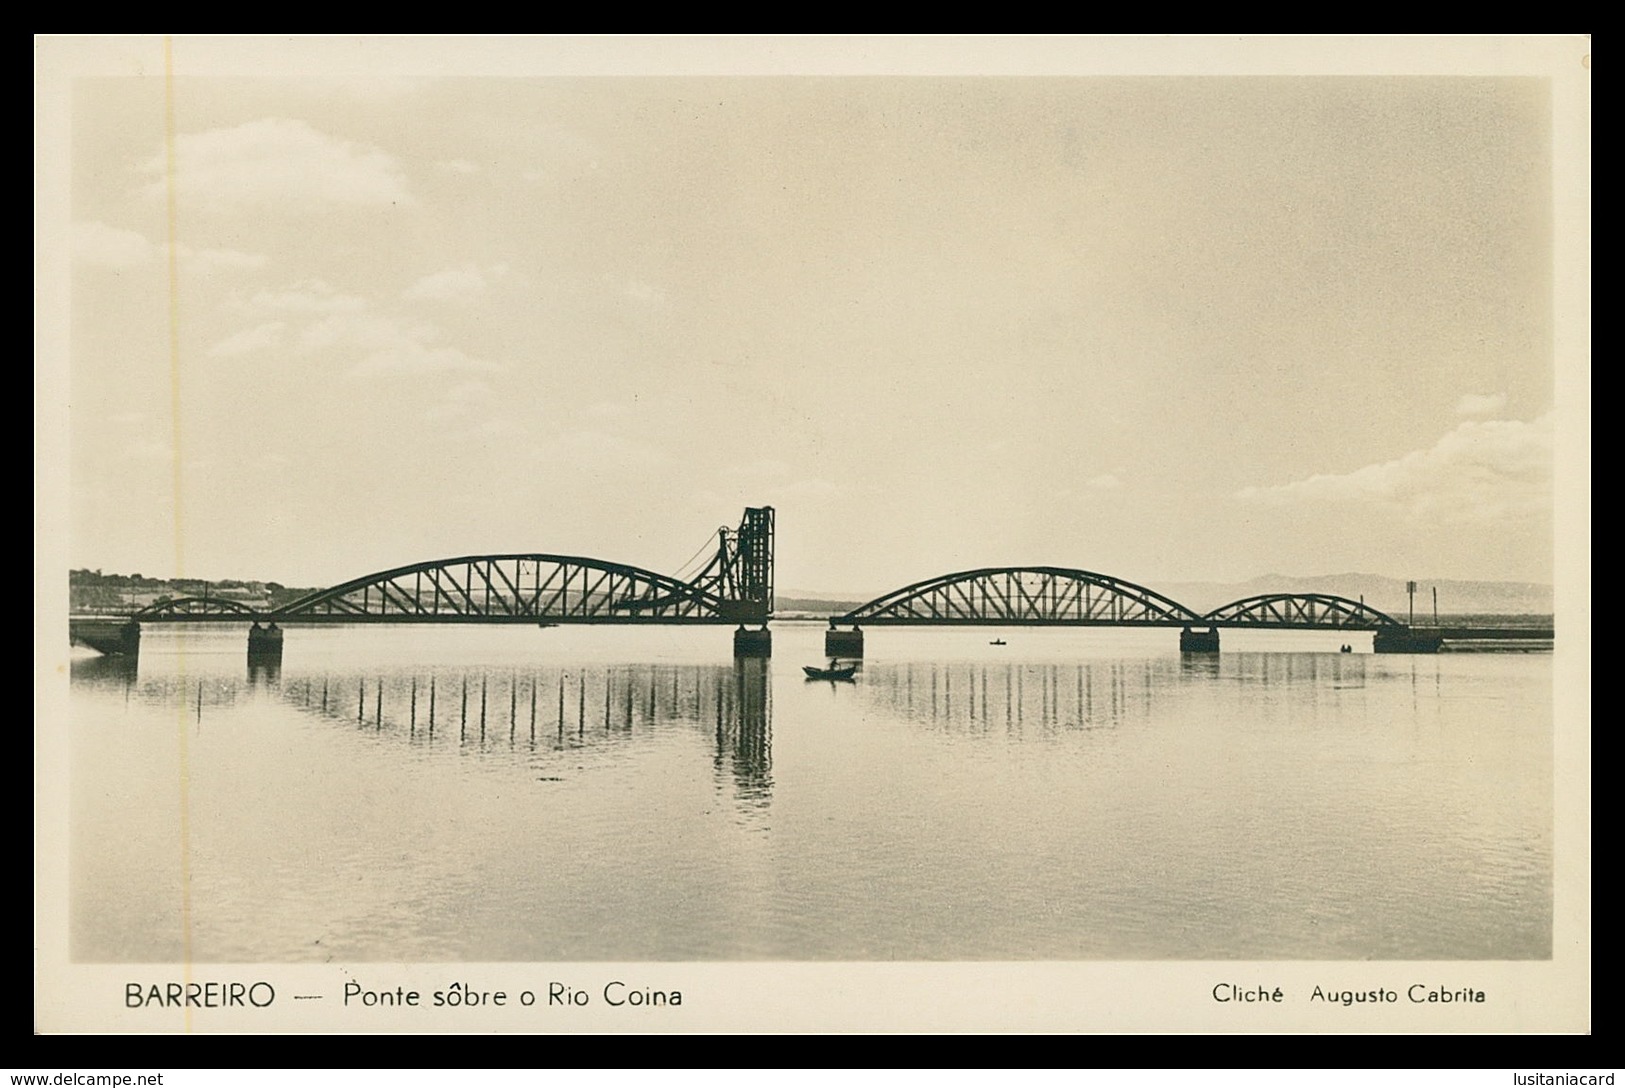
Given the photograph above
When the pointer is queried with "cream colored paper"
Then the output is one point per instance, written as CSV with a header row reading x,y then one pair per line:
x,y
1085,997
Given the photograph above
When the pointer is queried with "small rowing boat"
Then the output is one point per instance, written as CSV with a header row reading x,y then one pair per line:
x,y
831,673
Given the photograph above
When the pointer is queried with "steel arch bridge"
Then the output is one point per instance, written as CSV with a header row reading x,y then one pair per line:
x,y
1063,596
1301,612
1024,596
522,588
182,608
736,586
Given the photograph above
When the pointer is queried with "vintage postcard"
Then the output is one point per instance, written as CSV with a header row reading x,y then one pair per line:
x,y
814,534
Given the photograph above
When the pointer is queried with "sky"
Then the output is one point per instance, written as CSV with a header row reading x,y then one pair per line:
x,y
1163,328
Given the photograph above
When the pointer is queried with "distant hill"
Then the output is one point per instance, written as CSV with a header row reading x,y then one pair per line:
x,y
818,606
93,591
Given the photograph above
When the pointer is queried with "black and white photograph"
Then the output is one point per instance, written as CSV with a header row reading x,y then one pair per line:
x,y
819,534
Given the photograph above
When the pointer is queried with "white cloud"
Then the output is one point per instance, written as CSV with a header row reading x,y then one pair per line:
x,y
454,284
463,401
220,260
1480,405
106,246
405,355
375,342
1484,470
308,297
354,328
249,340
111,247
472,409
645,293
280,161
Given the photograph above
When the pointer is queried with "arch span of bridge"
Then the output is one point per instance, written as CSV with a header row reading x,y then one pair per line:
x,y
516,588
1067,597
736,586
1024,596
185,608
1301,612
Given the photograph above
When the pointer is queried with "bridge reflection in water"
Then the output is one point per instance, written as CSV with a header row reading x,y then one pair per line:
x,y
493,711
1038,699
539,713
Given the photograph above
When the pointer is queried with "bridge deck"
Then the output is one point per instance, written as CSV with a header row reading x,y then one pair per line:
x,y
1449,634
331,619
1487,634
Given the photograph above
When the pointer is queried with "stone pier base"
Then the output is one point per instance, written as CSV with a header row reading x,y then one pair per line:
x,y
265,642
748,643
843,643
111,637
1199,642
1404,641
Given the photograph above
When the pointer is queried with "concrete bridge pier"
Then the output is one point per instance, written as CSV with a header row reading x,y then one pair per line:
x,y
749,643
265,643
843,643
1403,640
110,637
1199,642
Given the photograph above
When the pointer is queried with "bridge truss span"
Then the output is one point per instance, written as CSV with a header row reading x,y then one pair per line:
x,y
521,588
1024,596
197,608
1301,612
735,587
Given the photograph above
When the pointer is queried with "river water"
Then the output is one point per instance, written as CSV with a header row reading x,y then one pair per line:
x,y
569,794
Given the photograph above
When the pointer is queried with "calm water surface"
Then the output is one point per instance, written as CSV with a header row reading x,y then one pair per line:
x,y
414,794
